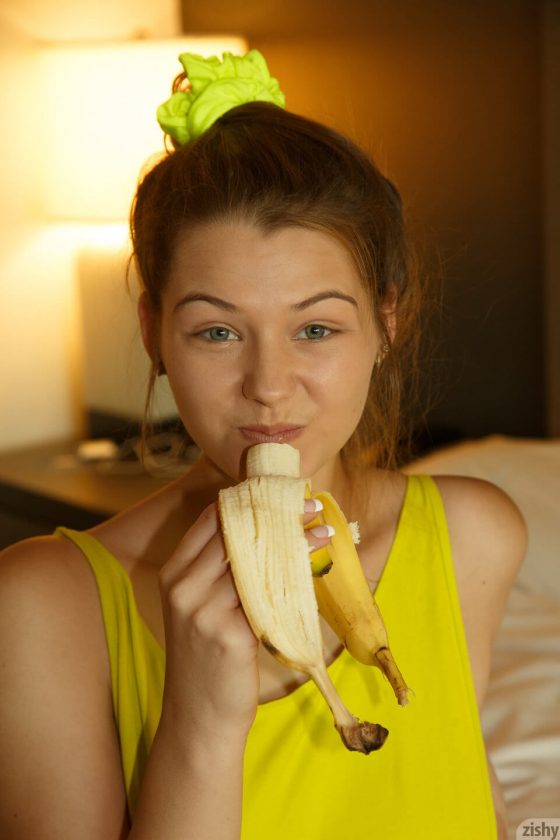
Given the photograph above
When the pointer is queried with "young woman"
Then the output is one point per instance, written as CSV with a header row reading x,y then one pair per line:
x,y
279,297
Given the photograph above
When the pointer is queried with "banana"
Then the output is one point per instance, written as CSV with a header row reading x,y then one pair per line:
x,y
261,522
347,604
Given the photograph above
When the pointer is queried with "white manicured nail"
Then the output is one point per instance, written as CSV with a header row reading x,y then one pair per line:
x,y
322,531
313,505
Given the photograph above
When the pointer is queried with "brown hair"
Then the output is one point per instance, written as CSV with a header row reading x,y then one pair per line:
x,y
262,164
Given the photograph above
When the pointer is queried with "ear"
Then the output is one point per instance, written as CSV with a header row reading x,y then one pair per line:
x,y
148,327
388,312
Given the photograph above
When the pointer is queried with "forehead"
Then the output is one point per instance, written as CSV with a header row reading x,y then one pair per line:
x,y
226,253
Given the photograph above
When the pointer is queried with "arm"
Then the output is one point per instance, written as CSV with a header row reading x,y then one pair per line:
x,y
191,792
192,788
60,772
489,540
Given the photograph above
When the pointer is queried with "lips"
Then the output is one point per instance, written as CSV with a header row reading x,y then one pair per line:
x,y
269,434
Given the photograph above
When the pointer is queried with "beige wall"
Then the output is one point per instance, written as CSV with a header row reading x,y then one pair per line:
x,y
35,283
39,359
68,20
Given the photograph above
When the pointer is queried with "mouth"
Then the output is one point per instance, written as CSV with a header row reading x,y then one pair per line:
x,y
271,434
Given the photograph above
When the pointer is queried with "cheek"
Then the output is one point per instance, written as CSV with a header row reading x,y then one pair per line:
x,y
347,377
340,401
199,388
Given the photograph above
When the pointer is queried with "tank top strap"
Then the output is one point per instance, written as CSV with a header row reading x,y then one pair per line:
x,y
424,508
136,659
114,586
422,523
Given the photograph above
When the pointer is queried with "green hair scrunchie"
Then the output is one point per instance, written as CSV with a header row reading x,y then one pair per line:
x,y
216,87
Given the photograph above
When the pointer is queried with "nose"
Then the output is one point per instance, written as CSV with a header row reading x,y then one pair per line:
x,y
269,374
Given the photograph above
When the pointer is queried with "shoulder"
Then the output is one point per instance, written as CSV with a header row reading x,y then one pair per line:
x,y
488,538
40,563
47,591
56,720
46,561
51,625
484,523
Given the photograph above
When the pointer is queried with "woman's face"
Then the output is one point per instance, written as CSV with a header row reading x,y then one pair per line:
x,y
271,331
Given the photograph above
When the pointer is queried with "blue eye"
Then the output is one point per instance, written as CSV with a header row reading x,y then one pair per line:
x,y
218,334
316,336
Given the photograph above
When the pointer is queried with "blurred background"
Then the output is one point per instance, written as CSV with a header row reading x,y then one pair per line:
x,y
457,102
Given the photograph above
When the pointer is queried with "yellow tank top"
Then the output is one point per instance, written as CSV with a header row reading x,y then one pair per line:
x,y
429,780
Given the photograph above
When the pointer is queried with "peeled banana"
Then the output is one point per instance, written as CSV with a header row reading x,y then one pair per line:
x,y
262,521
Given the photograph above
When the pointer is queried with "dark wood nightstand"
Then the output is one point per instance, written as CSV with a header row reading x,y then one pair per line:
x,y
44,486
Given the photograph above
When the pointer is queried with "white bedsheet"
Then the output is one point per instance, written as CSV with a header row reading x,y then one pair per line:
x,y
521,715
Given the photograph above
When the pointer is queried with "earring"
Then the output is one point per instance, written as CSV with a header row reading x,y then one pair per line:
x,y
381,355
161,369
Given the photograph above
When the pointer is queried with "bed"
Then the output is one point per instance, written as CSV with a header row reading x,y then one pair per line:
x,y
521,715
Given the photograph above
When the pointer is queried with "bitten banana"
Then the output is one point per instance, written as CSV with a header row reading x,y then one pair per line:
x,y
346,603
262,521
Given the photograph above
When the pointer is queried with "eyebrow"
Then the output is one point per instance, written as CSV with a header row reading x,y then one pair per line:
x,y
296,307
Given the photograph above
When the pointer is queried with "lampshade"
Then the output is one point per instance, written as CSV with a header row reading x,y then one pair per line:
x,y
96,120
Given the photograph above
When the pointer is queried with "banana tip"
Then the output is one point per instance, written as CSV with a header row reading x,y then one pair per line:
x,y
402,697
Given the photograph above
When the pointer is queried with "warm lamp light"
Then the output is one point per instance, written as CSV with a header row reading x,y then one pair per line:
x,y
97,121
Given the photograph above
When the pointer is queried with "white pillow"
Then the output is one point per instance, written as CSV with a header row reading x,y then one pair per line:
x,y
529,471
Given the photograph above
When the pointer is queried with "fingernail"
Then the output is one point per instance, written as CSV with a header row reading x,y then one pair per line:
x,y
322,531
313,504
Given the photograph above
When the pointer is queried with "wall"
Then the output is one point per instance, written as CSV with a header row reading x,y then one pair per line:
x,y
446,97
39,362
68,20
35,283
449,108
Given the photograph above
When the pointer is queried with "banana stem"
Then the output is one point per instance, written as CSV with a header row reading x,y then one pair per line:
x,y
357,735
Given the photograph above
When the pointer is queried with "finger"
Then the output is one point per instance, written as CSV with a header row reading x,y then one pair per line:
x,y
224,591
222,615
187,588
312,510
201,571
319,536
317,533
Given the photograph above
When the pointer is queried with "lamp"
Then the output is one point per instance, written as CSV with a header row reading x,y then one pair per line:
x,y
96,121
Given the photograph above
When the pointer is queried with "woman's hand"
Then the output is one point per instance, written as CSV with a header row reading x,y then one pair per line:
x,y
212,678
211,683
